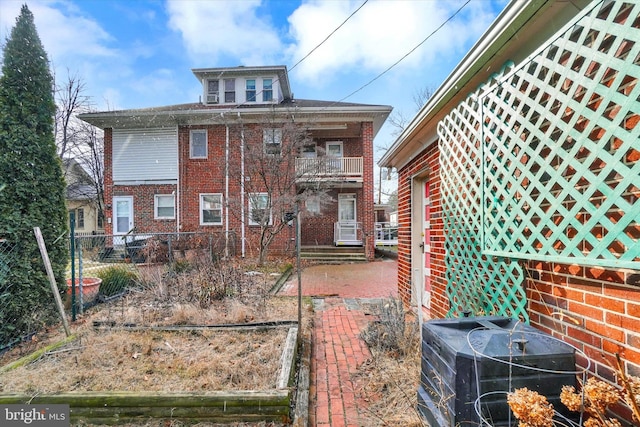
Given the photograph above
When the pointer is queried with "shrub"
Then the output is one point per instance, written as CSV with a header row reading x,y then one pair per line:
x,y
388,333
115,280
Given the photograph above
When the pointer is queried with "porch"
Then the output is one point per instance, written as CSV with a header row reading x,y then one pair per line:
x,y
349,233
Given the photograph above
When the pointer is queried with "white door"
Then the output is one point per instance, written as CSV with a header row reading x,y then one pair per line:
x,y
347,223
122,217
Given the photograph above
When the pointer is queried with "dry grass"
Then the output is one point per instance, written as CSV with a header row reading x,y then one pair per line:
x,y
154,361
390,380
109,360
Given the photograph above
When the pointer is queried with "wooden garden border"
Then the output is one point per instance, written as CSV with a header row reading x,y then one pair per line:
x,y
219,406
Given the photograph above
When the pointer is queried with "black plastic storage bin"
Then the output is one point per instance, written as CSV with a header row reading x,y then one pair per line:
x,y
472,362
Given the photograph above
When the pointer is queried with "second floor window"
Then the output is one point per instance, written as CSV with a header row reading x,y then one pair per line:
x,y
267,90
230,91
272,139
259,211
198,144
213,91
211,209
251,90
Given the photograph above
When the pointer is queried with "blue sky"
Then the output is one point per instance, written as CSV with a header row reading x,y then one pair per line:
x,y
139,53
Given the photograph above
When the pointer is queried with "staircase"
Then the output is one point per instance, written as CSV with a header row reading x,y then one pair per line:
x,y
333,254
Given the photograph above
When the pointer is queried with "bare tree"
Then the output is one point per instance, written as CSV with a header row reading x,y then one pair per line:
x,y
70,101
90,154
399,121
78,140
269,176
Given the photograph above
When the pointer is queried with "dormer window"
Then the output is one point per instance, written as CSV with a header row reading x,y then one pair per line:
x,y
229,91
267,90
213,91
251,90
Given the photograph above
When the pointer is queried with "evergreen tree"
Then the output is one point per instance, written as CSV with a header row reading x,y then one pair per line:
x,y
32,181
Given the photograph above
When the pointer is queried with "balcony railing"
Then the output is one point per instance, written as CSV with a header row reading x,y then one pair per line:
x,y
386,234
347,233
309,169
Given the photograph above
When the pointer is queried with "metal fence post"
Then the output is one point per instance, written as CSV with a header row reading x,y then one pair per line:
x,y
72,244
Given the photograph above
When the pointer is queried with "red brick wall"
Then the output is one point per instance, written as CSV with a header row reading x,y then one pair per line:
x,y
368,214
427,162
595,309
143,207
208,176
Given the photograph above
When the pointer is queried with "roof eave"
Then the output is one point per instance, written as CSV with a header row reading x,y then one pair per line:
x,y
144,118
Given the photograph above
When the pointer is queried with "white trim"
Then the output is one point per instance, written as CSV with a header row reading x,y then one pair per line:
x,y
206,143
156,206
201,208
251,198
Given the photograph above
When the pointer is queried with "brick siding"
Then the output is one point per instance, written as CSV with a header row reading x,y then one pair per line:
x,y
208,176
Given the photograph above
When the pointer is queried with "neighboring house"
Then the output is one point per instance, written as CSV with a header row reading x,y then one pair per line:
x,y
519,180
82,198
167,169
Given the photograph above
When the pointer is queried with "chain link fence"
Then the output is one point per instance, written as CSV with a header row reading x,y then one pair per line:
x,y
104,267
8,257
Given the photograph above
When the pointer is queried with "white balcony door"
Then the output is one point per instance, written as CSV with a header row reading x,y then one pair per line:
x,y
347,221
122,217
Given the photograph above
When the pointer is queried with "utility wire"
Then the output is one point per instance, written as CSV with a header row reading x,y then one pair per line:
x,y
407,54
330,34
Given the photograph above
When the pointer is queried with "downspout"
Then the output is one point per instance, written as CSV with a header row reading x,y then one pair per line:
x,y
226,190
242,218
178,182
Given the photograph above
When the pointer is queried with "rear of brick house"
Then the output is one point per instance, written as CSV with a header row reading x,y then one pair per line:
x,y
519,181
181,168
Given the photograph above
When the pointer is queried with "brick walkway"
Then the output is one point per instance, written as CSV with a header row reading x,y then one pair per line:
x,y
340,292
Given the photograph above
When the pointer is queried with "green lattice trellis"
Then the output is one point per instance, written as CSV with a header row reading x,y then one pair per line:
x,y
561,146
474,282
544,163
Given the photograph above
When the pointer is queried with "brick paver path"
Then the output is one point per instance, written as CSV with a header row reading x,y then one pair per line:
x,y
337,350
336,353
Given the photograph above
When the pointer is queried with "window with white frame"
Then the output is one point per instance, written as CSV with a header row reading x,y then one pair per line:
x,y
259,209
164,206
213,91
229,90
267,90
210,209
272,139
312,204
198,144
250,85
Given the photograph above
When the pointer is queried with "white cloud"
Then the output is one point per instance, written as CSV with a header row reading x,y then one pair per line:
x,y
64,32
215,29
379,34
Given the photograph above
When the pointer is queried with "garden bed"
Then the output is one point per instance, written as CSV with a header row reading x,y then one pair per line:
x,y
166,352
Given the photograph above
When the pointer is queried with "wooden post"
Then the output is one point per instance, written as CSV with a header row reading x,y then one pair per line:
x,y
52,279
